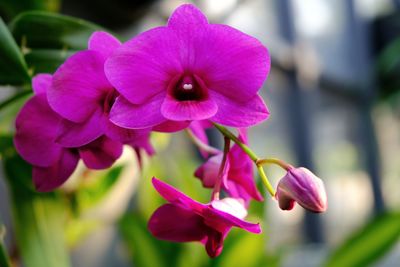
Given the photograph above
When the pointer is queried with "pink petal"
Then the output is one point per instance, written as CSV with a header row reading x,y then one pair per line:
x,y
128,115
224,220
234,64
198,128
124,135
142,142
241,171
36,130
214,244
171,126
175,223
186,17
104,43
78,86
239,114
142,67
78,134
49,178
188,110
101,153
174,196
41,83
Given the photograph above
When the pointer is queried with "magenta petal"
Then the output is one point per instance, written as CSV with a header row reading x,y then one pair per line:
x,y
214,244
198,128
240,114
36,130
231,220
78,134
178,224
236,64
104,43
122,134
101,153
171,126
188,110
41,83
78,86
142,142
128,115
186,17
49,178
142,67
174,196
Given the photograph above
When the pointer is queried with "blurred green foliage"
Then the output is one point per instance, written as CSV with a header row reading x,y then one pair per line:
x,y
368,244
4,261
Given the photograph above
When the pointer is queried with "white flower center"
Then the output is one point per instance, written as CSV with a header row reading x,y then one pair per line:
x,y
232,206
188,86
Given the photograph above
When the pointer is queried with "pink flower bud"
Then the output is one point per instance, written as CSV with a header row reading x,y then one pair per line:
x,y
302,186
208,172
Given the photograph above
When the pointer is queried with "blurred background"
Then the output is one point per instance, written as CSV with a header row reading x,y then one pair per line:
x,y
334,97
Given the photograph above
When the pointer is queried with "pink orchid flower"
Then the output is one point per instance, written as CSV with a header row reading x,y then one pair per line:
x,y
188,70
238,178
81,94
37,127
184,219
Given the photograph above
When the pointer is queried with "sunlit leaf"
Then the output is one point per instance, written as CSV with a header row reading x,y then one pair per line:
x,y
13,68
368,244
39,217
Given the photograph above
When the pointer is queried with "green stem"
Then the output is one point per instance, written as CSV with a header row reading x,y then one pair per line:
x,y
221,171
200,144
14,98
265,180
250,153
231,136
275,161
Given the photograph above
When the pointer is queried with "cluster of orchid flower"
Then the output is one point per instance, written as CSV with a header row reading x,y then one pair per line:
x,y
187,75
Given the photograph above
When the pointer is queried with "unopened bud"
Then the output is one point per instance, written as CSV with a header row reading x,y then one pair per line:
x,y
302,186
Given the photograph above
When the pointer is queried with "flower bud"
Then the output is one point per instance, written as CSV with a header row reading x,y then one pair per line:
x,y
302,186
208,172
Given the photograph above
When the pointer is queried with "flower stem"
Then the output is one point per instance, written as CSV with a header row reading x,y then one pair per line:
x,y
265,180
221,171
231,136
200,144
275,161
251,154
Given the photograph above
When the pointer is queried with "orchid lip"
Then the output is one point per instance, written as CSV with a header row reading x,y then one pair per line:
x,y
187,87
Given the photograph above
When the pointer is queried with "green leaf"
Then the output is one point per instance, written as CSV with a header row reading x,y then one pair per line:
x,y
39,217
41,30
369,243
13,68
4,261
46,60
48,39
11,8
